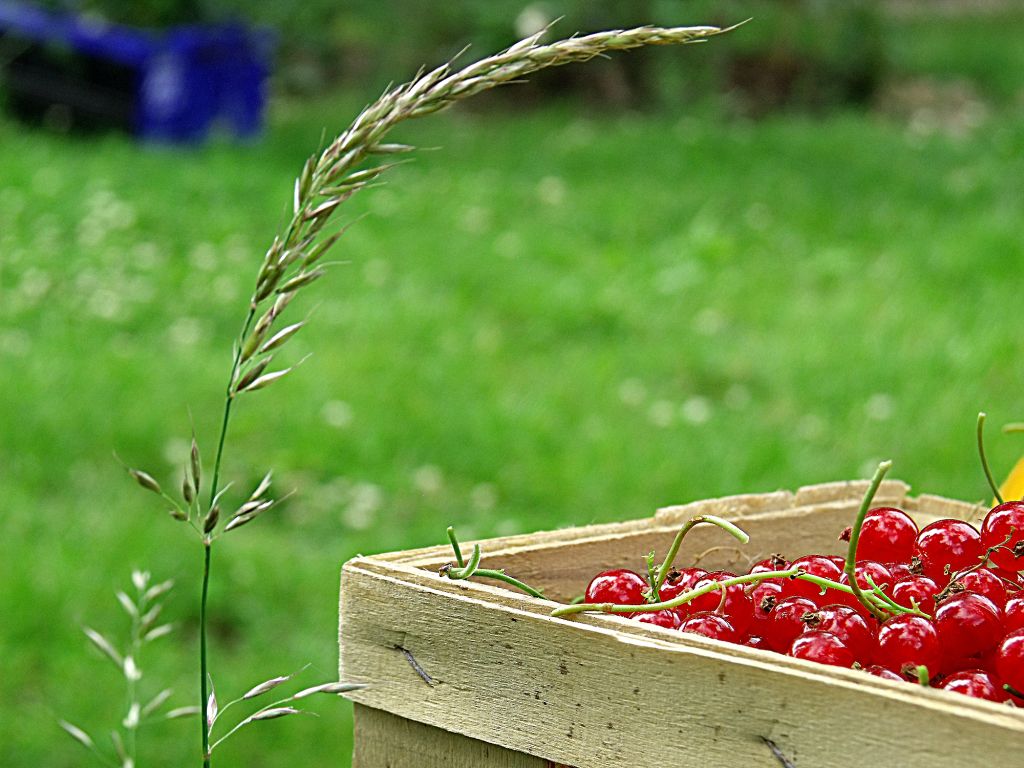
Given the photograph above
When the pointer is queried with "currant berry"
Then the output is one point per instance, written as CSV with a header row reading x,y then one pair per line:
x,y
1010,660
848,625
756,641
737,606
915,589
711,625
683,580
1002,531
974,682
786,622
666,618
765,596
769,564
887,535
905,642
815,565
968,624
984,582
899,570
822,647
1013,614
947,546
886,674
621,587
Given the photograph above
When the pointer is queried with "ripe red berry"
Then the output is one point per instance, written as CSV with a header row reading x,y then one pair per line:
x,y
887,535
968,625
682,580
899,570
1010,660
786,622
756,641
1013,614
710,625
974,682
848,625
764,597
815,565
984,582
621,587
905,642
947,546
882,672
1003,528
822,647
769,564
667,618
737,606
919,589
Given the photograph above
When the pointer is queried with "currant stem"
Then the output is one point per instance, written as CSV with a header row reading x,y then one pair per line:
x,y
679,600
487,573
455,547
733,530
984,460
922,676
470,568
851,554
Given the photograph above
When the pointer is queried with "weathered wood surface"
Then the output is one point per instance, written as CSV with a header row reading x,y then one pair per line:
x,y
602,691
383,740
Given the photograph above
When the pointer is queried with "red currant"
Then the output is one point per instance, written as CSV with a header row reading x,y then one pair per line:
x,y
1013,614
882,672
621,587
976,683
786,622
769,564
1010,660
737,606
711,625
846,624
815,565
887,535
822,647
919,589
947,546
1003,528
667,618
905,642
968,625
984,582
765,596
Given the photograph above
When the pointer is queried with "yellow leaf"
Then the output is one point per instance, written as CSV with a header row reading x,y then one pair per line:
x,y
1013,487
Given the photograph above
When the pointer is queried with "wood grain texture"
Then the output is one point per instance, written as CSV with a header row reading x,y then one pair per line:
x,y
383,740
604,691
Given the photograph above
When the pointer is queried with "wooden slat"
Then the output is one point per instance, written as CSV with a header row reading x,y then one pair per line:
x,y
383,740
587,694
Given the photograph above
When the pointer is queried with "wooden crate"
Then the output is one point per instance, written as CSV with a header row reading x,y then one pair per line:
x,y
469,674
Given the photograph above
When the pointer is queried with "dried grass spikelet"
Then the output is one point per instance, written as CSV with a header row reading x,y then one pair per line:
x,y
330,178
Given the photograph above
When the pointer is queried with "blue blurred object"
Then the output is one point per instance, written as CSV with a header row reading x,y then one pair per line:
x,y
172,85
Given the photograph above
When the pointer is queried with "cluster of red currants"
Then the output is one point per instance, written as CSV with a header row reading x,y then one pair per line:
x,y
943,605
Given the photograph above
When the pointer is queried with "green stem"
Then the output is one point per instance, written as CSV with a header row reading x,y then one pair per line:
x,y
922,675
679,600
670,556
487,573
470,567
851,552
203,695
984,459
455,546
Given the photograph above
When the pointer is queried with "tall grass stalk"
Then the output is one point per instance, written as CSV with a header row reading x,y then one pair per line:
x,y
294,260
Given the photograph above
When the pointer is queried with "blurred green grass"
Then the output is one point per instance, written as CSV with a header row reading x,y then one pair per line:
x,y
555,319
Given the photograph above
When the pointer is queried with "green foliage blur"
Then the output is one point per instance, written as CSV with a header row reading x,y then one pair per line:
x,y
800,51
